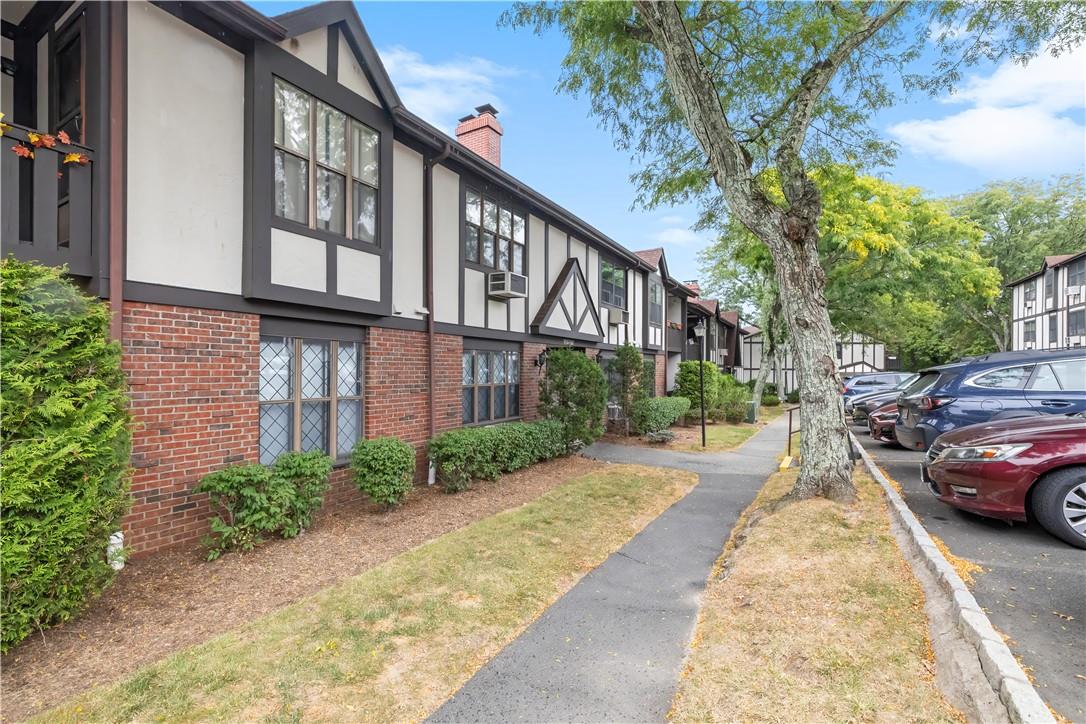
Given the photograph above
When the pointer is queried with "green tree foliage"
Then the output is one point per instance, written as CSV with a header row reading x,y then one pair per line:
x,y
65,448
573,391
253,501
898,265
708,96
1022,223
384,469
630,378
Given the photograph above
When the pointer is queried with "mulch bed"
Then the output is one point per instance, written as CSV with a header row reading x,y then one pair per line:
x,y
174,600
685,436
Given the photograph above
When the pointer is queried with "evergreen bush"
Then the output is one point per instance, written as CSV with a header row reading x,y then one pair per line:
x,y
792,397
64,448
252,501
733,403
573,391
770,400
384,469
688,385
656,414
484,453
631,378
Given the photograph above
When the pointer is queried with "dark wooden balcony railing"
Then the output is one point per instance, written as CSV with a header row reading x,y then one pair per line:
x,y
47,204
675,339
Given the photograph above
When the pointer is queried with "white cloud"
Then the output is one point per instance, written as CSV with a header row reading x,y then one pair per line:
x,y
1017,123
672,220
443,91
677,236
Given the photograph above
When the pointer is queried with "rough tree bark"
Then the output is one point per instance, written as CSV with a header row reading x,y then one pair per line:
x,y
791,233
769,351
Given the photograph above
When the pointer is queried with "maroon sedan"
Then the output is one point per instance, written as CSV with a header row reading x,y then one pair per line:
x,y
881,422
1026,468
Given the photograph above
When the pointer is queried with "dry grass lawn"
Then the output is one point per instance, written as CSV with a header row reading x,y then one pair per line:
x,y
394,642
814,616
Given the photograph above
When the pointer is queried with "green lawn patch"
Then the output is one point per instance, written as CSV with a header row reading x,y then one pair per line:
x,y
393,643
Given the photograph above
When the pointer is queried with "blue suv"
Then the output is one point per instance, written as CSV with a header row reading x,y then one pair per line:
x,y
996,386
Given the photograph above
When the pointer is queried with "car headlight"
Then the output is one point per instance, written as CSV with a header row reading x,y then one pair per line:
x,y
983,453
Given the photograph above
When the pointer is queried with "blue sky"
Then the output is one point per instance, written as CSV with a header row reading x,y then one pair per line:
x,y
448,57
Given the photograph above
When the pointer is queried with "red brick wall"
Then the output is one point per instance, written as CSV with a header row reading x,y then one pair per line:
x,y
192,377
529,380
661,375
397,392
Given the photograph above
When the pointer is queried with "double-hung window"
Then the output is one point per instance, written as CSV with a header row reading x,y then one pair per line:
x,y
1076,273
656,303
490,385
326,166
1029,331
494,235
1076,323
1053,330
310,396
1050,284
612,284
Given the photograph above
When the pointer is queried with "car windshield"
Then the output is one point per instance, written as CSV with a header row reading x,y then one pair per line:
x,y
921,383
904,384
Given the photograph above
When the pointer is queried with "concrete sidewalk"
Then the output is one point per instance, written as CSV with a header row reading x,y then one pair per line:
x,y
611,649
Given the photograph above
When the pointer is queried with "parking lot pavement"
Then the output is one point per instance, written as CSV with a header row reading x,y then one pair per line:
x,y
1033,588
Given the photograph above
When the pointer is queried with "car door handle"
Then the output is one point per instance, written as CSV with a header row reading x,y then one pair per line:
x,y
1055,403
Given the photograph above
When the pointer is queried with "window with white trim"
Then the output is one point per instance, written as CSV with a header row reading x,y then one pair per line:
x,y
656,303
310,396
494,235
326,166
490,385
1076,273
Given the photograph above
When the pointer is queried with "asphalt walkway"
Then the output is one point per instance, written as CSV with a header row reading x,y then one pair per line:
x,y
611,649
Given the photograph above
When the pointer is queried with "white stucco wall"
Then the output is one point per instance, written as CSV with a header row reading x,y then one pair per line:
x,y
358,273
298,261
310,48
474,297
351,74
185,165
407,254
446,245
537,279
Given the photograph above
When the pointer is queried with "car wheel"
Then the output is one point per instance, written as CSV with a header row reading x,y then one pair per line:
x,y
1059,504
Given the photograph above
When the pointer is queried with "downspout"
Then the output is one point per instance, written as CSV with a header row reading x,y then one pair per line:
x,y
428,251
117,60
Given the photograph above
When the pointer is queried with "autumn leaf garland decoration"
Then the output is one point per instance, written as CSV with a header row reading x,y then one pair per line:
x,y
44,140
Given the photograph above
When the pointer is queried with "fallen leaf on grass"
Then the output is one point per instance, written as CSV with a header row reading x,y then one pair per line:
x,y
1064,616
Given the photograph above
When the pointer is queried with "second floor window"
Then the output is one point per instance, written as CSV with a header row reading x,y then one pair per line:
x,y
326,166
612,284
1029,292
656,303
1050,283
1076,273
494,236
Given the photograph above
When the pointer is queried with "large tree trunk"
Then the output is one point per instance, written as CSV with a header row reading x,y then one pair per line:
x,y
790,233
763,372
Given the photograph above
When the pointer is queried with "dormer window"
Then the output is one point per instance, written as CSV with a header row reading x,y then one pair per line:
x,y
318,151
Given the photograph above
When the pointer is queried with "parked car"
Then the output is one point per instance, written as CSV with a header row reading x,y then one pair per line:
x,y
997,386
870,382
861,406
1025,468
880,423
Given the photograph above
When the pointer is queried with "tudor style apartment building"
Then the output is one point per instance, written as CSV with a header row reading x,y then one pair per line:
x,y
294,260
1048,307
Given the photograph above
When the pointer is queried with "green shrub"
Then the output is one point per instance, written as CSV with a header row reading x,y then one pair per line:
x,y
630,377
656,414
770,400
733,403
792,397
727,379
484,453
384,469
768,388
64,448
573,391
688,385
253,501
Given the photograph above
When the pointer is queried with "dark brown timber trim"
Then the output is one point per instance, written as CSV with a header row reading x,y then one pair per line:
x,y
118,103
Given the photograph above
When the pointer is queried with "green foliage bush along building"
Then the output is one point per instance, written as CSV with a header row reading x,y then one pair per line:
x,y
770,400
384,469
484,453
630,378
732,403
253,501
64,448
573,391
688,385
656,414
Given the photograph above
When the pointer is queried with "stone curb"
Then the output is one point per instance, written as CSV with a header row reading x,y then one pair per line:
x,y
1004,674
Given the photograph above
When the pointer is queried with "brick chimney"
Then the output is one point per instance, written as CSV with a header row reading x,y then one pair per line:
x,y
482,133
693,285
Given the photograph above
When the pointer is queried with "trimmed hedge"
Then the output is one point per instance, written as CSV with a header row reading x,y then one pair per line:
x,y
484,453
770,400
688,384
732,403
255,500
792,397
656,414
384,469
65,448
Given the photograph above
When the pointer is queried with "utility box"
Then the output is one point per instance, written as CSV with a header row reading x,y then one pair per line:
x,y
752,412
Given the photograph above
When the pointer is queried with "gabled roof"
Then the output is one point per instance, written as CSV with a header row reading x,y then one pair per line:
x,y
1050,262
730,317
708,305
651,257
657,261
565,311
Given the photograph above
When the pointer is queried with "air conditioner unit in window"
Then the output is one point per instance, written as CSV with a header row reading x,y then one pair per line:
x,y
1074,341
507,285
1028,306
617,316
1029,345
1074,291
